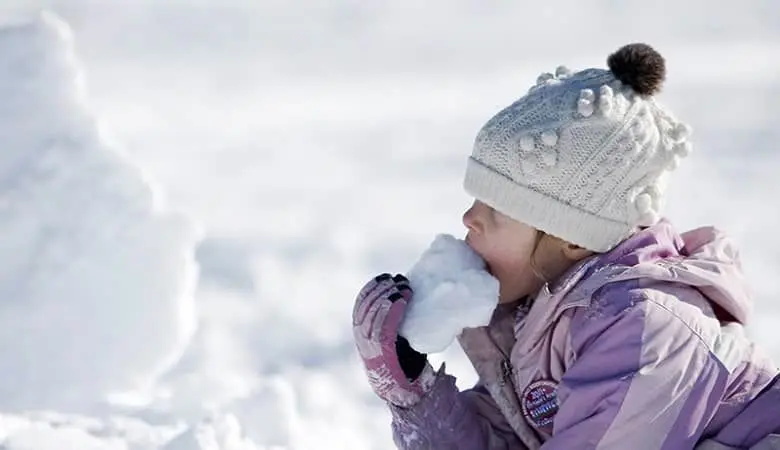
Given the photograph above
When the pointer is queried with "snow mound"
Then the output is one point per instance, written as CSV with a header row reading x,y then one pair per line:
x,y
219,432
452,291
48,430
97,277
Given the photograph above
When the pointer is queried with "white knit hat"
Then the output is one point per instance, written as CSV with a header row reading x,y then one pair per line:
x,y
583,156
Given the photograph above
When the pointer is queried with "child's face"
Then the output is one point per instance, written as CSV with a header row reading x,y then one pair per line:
x,y
506,245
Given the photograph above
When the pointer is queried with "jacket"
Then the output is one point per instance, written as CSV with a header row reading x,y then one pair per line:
x,y
643,347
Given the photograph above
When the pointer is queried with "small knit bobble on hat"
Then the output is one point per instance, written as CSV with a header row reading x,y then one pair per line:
x,y
584,154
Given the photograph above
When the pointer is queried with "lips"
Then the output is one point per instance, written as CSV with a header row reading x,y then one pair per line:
x,y
468,240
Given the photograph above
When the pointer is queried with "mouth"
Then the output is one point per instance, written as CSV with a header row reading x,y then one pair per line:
x,y
468,242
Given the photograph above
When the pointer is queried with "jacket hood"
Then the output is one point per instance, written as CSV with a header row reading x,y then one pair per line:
x,y
704,258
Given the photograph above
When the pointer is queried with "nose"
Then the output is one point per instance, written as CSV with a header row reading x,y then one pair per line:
x,y
470,219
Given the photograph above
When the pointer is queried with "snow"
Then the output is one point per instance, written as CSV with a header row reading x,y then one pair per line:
x,y
97,276
309,152
214,433
452,291
48,430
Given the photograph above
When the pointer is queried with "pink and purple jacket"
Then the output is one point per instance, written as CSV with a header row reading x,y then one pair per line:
x,y
641,348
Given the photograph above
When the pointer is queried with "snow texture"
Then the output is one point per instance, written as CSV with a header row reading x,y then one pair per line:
x,y
452,291
214,433
50,430
97,276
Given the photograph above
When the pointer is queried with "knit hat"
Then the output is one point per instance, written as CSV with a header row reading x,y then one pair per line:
x,y
582,156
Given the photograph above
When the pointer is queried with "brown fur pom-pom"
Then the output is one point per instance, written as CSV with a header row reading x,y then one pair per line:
x,y
639,66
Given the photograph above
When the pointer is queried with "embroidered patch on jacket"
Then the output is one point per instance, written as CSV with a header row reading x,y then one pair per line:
x,y
540,403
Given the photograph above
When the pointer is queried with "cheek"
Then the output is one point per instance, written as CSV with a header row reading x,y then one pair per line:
x,y
508,254
505,262
505,250
513,271
502,258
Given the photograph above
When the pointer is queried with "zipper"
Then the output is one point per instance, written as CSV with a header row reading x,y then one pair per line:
x,y
505,366
506,372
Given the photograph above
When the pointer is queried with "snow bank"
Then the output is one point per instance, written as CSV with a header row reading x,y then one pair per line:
x,y
452,291
96,279
221,432
53,431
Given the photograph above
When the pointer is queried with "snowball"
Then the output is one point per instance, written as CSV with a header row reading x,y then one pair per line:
x,y
452,291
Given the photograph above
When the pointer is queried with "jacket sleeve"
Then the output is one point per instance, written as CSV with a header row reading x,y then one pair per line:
x,y
448,419
648,375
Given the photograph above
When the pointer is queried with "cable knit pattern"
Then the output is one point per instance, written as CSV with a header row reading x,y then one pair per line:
x,y
581,156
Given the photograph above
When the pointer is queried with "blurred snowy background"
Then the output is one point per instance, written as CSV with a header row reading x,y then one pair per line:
x,y
182,244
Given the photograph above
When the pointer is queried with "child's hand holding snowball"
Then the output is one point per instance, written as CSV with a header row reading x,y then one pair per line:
x,y
398,320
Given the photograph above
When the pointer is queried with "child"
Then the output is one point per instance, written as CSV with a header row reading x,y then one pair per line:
x,y
613,331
